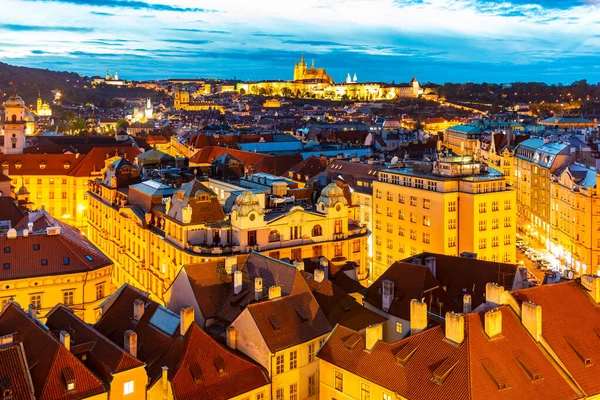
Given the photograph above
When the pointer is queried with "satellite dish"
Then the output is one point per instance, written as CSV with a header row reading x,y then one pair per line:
x,y
395,160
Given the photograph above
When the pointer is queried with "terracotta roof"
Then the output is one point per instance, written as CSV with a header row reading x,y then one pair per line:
x,y
104,357
428,366
9,211
47,359
14,372
94,160
310,167
570,324
205,209
185,356
341,308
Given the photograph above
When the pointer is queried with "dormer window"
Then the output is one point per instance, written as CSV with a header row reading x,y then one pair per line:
x,y
42,165
69,379
18,165
67,165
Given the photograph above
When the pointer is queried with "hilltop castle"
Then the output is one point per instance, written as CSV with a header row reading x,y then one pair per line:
x,y
310,75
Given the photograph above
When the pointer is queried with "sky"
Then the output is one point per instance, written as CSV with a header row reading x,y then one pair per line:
x,y
500,41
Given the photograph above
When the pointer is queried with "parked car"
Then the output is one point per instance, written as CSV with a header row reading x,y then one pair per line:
x,y
529,251
543,264
537,256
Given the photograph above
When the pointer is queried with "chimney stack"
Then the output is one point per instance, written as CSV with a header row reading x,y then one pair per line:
x,y
274,292
373,334
65,339
493,323
430,263
186,318
418,316
531,318
237,282
32,311
387,294
231,337
258,288
592,284
130,342
299,265
138,309
467,308
318,275
455,327
230,264
494,293
164,382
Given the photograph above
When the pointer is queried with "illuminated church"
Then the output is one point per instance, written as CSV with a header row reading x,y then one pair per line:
x,y
310,75
43,108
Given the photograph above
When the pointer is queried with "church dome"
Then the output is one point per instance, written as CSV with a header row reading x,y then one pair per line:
x,y
246,203
331,195
29,117
14,101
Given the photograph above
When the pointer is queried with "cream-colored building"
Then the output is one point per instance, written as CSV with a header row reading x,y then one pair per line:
x,y
451,206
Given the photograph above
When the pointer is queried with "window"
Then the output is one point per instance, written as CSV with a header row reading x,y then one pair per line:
x,y
390,259
386,396
36,247
274,236
311,352
377,255
279,394
390,196
507,239
452,241
68,298
377,209
339,381
452,223
312,385
398,326
390,244
495,241
99,291
365,392
401,248
413,201
51,195
279,364
260,396
128,387
44,261
426,220
482,207
401,198
7,249
66,261
495,223
337,250
426,238
356,246
413,234
64,195
482,225
338,226
293,359
51,181
507,222
413,217
426,203
495,206
378,240
507,205
432,185
297,254
317,230
36,300
452,206
389,228
401,231
483,243
64,181
39,181
401,215
378,193
377,224
6,266
389,212
294,391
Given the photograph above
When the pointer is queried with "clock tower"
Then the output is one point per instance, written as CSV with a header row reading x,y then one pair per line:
x,y
14,125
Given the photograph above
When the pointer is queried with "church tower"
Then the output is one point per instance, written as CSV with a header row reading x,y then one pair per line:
x,y
177,99
148,112
14,126
38,104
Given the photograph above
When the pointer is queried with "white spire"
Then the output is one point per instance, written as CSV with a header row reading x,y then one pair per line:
x,y
355,78
348,79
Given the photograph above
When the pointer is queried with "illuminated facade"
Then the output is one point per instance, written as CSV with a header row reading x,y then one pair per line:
x,y
451,206
182,101
43,108
315,75
151,230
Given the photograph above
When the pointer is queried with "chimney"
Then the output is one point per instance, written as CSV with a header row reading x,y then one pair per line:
x,y
299,265
373,334
430,263
258,288
417,261
325,269
418,316
318,275
138,309
467,304
32,311
30,226
186,318
130,342
65,339
592,284
493,323
231,337
164,381
455,327
531,318
494,293
274,292
237,282
387,294
230,264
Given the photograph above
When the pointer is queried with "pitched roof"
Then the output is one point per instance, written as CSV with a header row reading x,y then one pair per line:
x,y
9,211
428,366
204,204
47,359
570,325
193,359
14,372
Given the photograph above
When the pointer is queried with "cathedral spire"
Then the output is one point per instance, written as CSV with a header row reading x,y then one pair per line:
x,y
313,64
302,62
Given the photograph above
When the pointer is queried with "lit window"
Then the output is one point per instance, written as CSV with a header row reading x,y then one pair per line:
x,y
399,327
339,381
279,394
312,385
99,291
452,206
36,300
311,352
365,392
482,207
293,359
68,298
128,388
294,391
386,396
279,364
260,396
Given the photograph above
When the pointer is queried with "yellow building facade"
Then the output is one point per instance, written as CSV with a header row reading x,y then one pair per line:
x,y
453,206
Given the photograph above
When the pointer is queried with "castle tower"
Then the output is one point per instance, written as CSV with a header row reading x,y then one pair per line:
x,y
313,64
348,79
14,126
355,78
116,75
39,103
107,75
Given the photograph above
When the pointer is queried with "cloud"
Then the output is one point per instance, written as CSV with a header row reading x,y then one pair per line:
x,y
217,32
38,52
41,28
187,41
317,43
102,14
132,4
273,35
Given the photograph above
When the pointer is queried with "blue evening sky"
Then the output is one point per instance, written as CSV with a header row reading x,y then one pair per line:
x,y
379,40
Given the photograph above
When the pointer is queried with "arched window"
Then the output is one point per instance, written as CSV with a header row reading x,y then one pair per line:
x,y
274,236
14,118
317,230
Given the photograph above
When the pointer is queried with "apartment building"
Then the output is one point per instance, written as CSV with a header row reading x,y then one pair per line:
x,y
451,206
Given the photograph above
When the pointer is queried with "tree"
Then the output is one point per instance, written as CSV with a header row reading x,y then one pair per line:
x,y
242,91
262,91
122,123
286,92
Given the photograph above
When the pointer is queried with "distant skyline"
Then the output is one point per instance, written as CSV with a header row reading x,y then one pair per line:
x,y
553,41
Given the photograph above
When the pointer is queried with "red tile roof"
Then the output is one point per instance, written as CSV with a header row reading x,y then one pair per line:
x,y
14,372
474,369
570,320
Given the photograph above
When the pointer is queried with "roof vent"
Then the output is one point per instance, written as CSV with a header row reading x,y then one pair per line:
x,y
11,234
53,231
